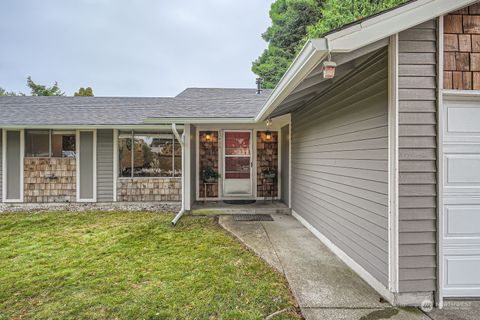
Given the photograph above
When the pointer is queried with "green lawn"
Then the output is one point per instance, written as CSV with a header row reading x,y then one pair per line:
x,y
104,265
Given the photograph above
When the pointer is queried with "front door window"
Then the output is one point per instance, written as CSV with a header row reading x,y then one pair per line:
x,y
238,164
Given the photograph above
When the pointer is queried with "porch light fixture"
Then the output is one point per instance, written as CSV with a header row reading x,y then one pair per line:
x,y
329,68
268,135
208,136
269,122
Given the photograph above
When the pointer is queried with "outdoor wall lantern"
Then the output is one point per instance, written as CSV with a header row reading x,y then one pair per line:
x,y
268,135
329,68
208,136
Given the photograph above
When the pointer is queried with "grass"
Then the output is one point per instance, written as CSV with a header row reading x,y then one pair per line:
x,y
104,265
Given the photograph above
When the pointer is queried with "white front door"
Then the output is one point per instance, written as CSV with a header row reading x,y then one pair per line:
x,y
237,163
461,198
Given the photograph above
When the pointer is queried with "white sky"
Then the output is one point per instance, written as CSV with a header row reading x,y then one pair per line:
x,y
131,48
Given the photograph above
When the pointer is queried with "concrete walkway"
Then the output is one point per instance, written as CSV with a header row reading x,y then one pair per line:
x,y
323,285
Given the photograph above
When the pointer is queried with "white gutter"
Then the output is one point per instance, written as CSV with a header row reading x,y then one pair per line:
x,y
181,140
310,56
199,120
164,126
352,38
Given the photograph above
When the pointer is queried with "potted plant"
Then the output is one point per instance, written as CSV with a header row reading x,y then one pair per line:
x,y
269,173
209,175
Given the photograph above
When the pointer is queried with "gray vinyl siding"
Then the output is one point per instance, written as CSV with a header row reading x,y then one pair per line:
x,y
339,165
417,158
105,165
13,164
86,162
285,156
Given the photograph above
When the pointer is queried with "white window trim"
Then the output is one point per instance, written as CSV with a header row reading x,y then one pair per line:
x,y
4,166
115,163
440,177
116,160
77,145
393,176
50,134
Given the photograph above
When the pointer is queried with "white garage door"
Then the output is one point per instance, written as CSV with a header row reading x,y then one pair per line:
x,y
461,197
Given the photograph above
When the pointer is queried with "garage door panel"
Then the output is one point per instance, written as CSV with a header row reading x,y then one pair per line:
x,y
462,278
463,117
461,148
461,198
462,222
462,169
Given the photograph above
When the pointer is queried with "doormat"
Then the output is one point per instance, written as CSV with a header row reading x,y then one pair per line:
x,y
239,201
252,217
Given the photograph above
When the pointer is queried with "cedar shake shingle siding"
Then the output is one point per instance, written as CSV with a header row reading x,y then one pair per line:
x,y
340,165
208,157
417,157
267,157
462,49
49,180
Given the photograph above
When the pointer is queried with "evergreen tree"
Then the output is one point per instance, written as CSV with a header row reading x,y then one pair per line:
x,y
84,92
41,90
290,19
295,21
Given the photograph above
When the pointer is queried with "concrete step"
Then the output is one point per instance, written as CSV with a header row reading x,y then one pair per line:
x,y
258,210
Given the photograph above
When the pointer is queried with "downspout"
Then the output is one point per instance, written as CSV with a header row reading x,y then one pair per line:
x,y
181,140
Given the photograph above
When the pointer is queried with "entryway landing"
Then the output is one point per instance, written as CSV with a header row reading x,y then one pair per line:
x,y
258,207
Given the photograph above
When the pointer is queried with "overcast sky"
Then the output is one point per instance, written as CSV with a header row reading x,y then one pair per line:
x,y
131,48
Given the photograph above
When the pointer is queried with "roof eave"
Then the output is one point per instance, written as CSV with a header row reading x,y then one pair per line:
x,y
311,54
353,38
193,120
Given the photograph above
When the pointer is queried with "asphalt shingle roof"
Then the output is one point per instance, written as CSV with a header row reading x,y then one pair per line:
x,y
191,103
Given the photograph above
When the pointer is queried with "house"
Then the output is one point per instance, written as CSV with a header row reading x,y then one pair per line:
x,y
381,162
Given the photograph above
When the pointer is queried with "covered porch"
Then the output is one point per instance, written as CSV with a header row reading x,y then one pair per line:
x,y
233,161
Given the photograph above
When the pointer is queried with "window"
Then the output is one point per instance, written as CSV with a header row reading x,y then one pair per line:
x,y
37,143
49,143
63,144
149,154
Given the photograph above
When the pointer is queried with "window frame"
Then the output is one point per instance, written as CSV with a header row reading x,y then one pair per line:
x,y
132,134
51,132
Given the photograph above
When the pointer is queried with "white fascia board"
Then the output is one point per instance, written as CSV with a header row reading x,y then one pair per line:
x,y
390,23
309,57
353,38
199,120
88,127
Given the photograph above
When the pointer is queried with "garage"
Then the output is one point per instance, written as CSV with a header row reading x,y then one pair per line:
x,y
461,196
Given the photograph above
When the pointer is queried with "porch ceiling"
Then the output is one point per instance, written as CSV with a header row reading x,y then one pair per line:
x,y
314,85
